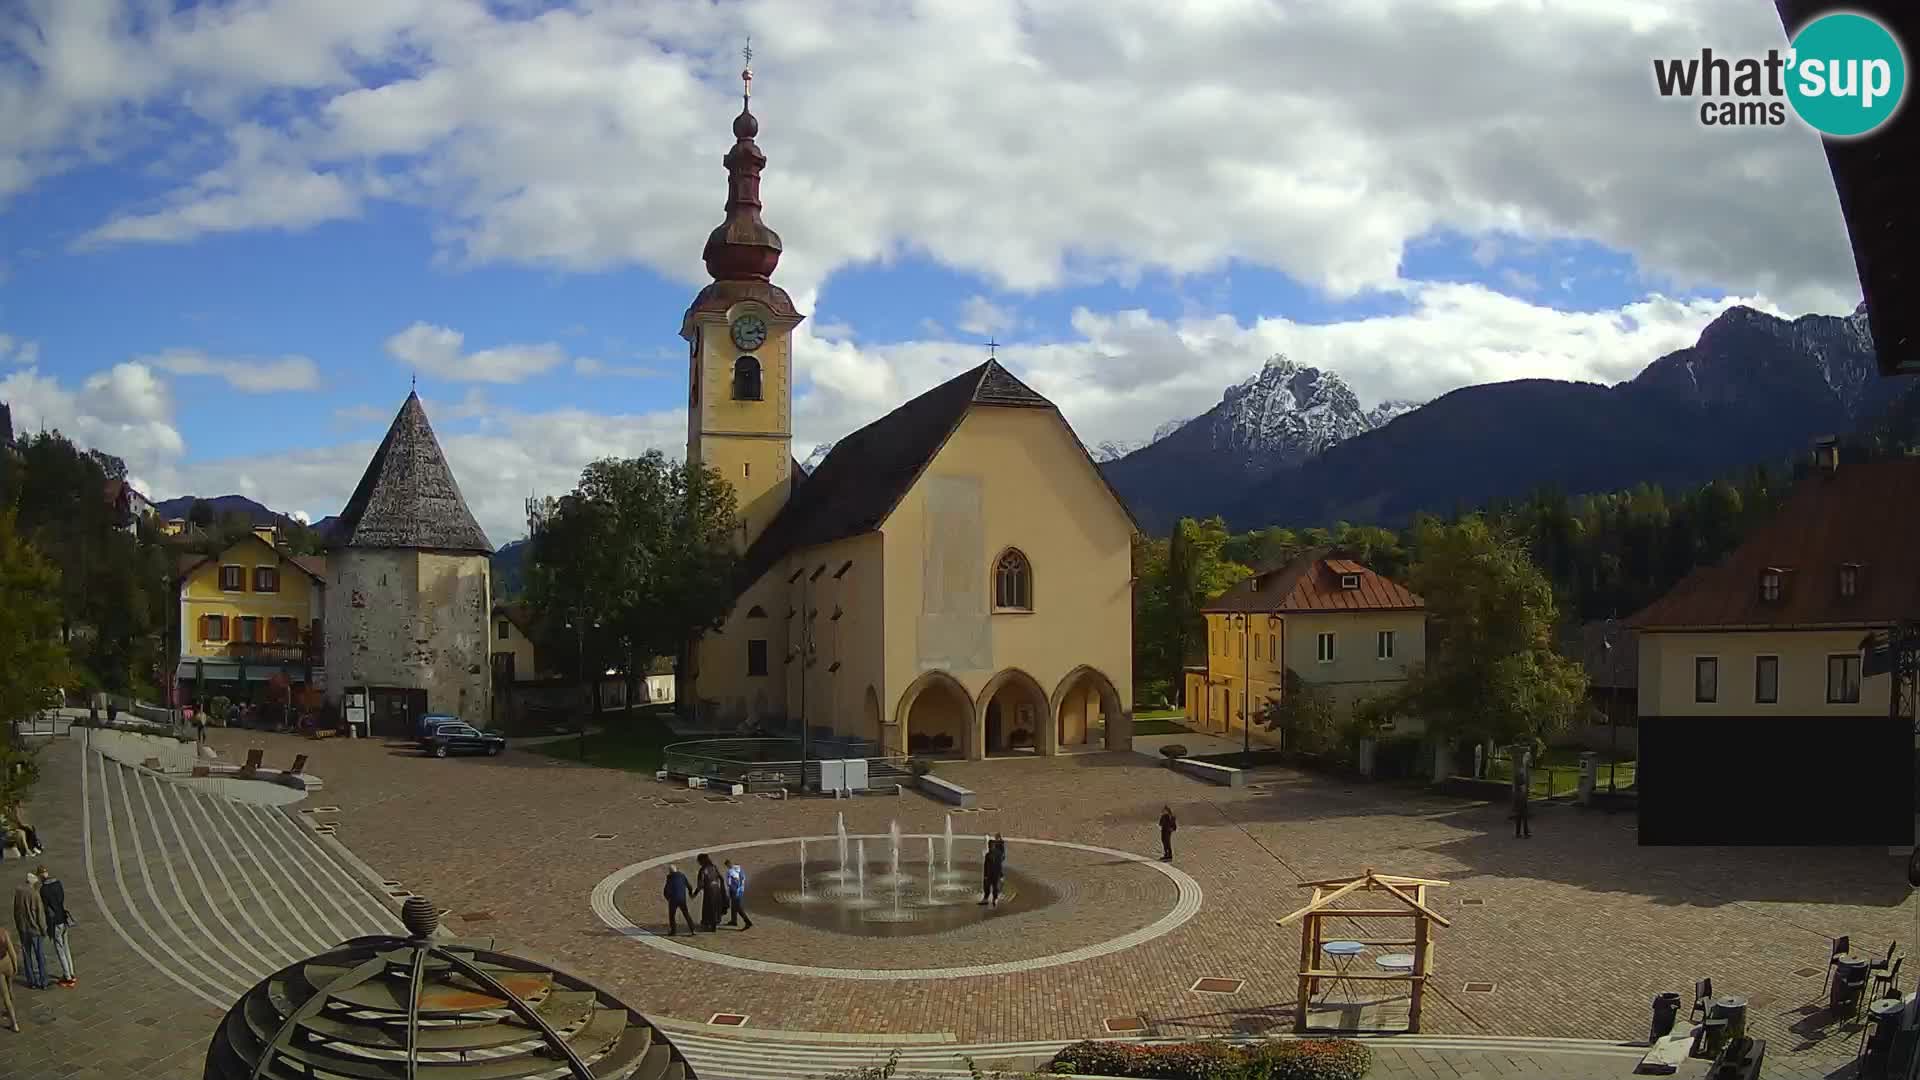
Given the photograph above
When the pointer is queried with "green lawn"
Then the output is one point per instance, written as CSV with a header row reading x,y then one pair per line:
x,y
633,743
1559,774
1159,724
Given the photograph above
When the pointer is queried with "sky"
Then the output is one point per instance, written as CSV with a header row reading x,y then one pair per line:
x,y
232,234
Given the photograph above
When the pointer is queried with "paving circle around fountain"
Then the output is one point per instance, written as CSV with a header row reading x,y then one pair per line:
x,y
838,919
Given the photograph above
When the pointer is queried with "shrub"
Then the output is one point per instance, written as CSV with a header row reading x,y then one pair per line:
x,y
219,710
1173,750
919,766
1303,1059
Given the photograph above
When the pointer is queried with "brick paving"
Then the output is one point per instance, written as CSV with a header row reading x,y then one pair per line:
x,y
1577,930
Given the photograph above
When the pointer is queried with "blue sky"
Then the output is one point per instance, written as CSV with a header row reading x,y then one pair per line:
x,y
229,238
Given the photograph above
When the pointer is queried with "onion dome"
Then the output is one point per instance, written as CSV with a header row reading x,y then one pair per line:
x,y
413,1008
742,248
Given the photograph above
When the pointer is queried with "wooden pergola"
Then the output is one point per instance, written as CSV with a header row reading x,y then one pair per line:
x,y
1409,897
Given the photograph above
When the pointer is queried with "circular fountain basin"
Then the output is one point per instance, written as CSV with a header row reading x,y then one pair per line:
x,y
841,907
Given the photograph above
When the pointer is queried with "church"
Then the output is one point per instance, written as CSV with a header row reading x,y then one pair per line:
x,y
954,579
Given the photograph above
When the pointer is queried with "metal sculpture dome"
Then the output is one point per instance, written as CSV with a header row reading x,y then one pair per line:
x,y
392,1008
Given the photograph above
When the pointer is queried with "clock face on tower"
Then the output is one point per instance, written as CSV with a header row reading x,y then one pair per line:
x,y
749,332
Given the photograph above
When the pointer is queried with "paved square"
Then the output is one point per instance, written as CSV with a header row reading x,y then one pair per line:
x,y
1576,928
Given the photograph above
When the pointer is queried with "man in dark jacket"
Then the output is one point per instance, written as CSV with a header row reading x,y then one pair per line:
x,y
53,896
676,893
1522,816
1167,826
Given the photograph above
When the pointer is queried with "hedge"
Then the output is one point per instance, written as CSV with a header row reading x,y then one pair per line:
x,y
1302,1059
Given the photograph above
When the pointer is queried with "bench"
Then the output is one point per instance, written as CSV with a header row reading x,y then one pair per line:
x,y
1224,775
947,791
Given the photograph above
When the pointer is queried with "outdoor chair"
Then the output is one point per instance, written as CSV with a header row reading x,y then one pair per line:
x,y
1886,983
1702,993
1882,963
1840,946
299,764
252,766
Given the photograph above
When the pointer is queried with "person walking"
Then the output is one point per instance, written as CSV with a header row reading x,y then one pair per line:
x,y
9,967
676,895
713,894
1167,826
1522,812
53,897
737,895
991,874
30,919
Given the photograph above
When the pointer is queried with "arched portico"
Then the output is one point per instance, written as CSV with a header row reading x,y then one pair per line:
x,y
1086,701
1013,702
933,705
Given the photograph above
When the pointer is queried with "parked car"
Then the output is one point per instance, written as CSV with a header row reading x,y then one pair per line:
x,y
458,738
424,727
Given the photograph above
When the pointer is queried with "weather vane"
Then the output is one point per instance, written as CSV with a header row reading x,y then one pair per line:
x,y
746,73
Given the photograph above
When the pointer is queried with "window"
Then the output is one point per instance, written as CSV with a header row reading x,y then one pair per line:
x,y
1843,679
503,629
249,628
1256,646
756,612
746,379
1706,678
1273,647
746,468
1850,579
1325,644
213,628
1013,582
1383,645
1770,586
757,656
233,579
281,630
266,579
1766,680
1349,581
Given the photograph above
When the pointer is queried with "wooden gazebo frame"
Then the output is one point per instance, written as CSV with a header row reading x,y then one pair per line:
x,y
1410,893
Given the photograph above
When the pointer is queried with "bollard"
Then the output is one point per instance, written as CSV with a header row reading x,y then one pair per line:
x,y
1666,1010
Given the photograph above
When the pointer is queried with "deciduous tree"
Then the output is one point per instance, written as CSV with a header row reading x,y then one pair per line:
x,y
33,663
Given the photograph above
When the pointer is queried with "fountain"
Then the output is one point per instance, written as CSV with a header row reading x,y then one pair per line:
x,y
949,843
893,850
860,867
803,870
840,828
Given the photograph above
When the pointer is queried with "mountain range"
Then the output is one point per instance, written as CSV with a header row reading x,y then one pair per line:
x,y
1293,447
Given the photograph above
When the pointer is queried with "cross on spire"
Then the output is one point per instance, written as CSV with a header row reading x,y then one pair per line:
x,y
746,72
991,346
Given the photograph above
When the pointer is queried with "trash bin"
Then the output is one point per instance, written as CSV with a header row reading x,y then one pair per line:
x,y
1733,1009
1666,1010
1877,1058
1739,1061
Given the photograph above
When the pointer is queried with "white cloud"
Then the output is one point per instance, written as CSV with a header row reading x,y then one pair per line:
x,y
983,318
15,351
587,365
250,375
1068,141
125,410
436,350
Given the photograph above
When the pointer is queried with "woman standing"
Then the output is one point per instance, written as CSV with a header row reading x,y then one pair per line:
x,y
713,894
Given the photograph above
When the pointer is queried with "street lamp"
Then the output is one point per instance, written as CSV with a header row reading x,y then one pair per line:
x,y
1613,691
578,624
804,653
1246,677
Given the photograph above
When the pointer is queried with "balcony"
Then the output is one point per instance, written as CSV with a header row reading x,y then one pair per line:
x,y
277,652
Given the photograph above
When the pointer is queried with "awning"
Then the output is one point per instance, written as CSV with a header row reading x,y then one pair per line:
x,y
229,671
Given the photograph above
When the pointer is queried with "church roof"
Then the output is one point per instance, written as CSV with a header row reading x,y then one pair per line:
x,y
408,497
857,485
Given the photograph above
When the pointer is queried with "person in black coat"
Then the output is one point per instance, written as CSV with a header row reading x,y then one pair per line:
x,y
1522,812
713,894
992,873
53,896
676,894
1167,825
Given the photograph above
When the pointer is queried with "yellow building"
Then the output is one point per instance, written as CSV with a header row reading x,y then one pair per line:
x,y
954,578
1335,623
246,614
514,655
1776,629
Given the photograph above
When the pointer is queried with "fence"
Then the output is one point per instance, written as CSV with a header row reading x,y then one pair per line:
x,y
778,762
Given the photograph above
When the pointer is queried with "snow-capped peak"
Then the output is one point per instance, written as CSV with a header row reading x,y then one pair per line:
x,y
819,454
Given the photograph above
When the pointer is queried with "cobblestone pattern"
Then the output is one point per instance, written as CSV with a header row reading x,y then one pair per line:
x,y
1579,927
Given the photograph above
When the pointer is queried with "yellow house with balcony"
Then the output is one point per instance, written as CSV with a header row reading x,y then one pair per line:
x,y
1338,625
246,614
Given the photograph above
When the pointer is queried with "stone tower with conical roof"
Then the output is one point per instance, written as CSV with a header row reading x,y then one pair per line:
x,y
409,588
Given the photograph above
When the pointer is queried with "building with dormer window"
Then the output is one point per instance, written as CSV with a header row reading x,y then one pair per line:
x,y
1779,627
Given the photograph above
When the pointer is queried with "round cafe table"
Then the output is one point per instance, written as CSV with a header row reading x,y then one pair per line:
x,y
1342,954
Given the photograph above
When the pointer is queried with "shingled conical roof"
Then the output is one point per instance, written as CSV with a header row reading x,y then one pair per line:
x,y
408,497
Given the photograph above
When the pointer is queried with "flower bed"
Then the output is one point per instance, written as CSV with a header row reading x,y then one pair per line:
x,y
1291,1059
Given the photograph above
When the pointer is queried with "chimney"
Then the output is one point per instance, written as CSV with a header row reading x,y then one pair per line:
x,y
1826,453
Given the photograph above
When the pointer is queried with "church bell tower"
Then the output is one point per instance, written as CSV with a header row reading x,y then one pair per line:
x,y
739,334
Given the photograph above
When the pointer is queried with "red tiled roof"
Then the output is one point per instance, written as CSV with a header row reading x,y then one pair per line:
x,y
1866,514
1311,582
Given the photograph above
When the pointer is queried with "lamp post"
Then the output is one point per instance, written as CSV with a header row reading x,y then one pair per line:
x,y
578,624
1245,620
1613,690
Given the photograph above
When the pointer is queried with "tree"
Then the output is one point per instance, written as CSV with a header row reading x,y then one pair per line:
x,y
1193,570
635,562
1491,670
1305,714
200,513
33,663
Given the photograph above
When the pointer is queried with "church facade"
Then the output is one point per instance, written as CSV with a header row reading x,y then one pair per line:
x,y
954,579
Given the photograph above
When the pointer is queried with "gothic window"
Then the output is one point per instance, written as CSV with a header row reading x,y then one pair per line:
x,y
1013,582
746,379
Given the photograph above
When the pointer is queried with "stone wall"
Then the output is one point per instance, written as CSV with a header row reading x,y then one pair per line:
x,y
411,619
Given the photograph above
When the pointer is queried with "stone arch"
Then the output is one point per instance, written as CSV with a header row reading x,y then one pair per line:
x,y
935,704
1013,701
870,711
1080,688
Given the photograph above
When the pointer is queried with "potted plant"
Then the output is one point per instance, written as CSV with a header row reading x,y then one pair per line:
x,y
1173,752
